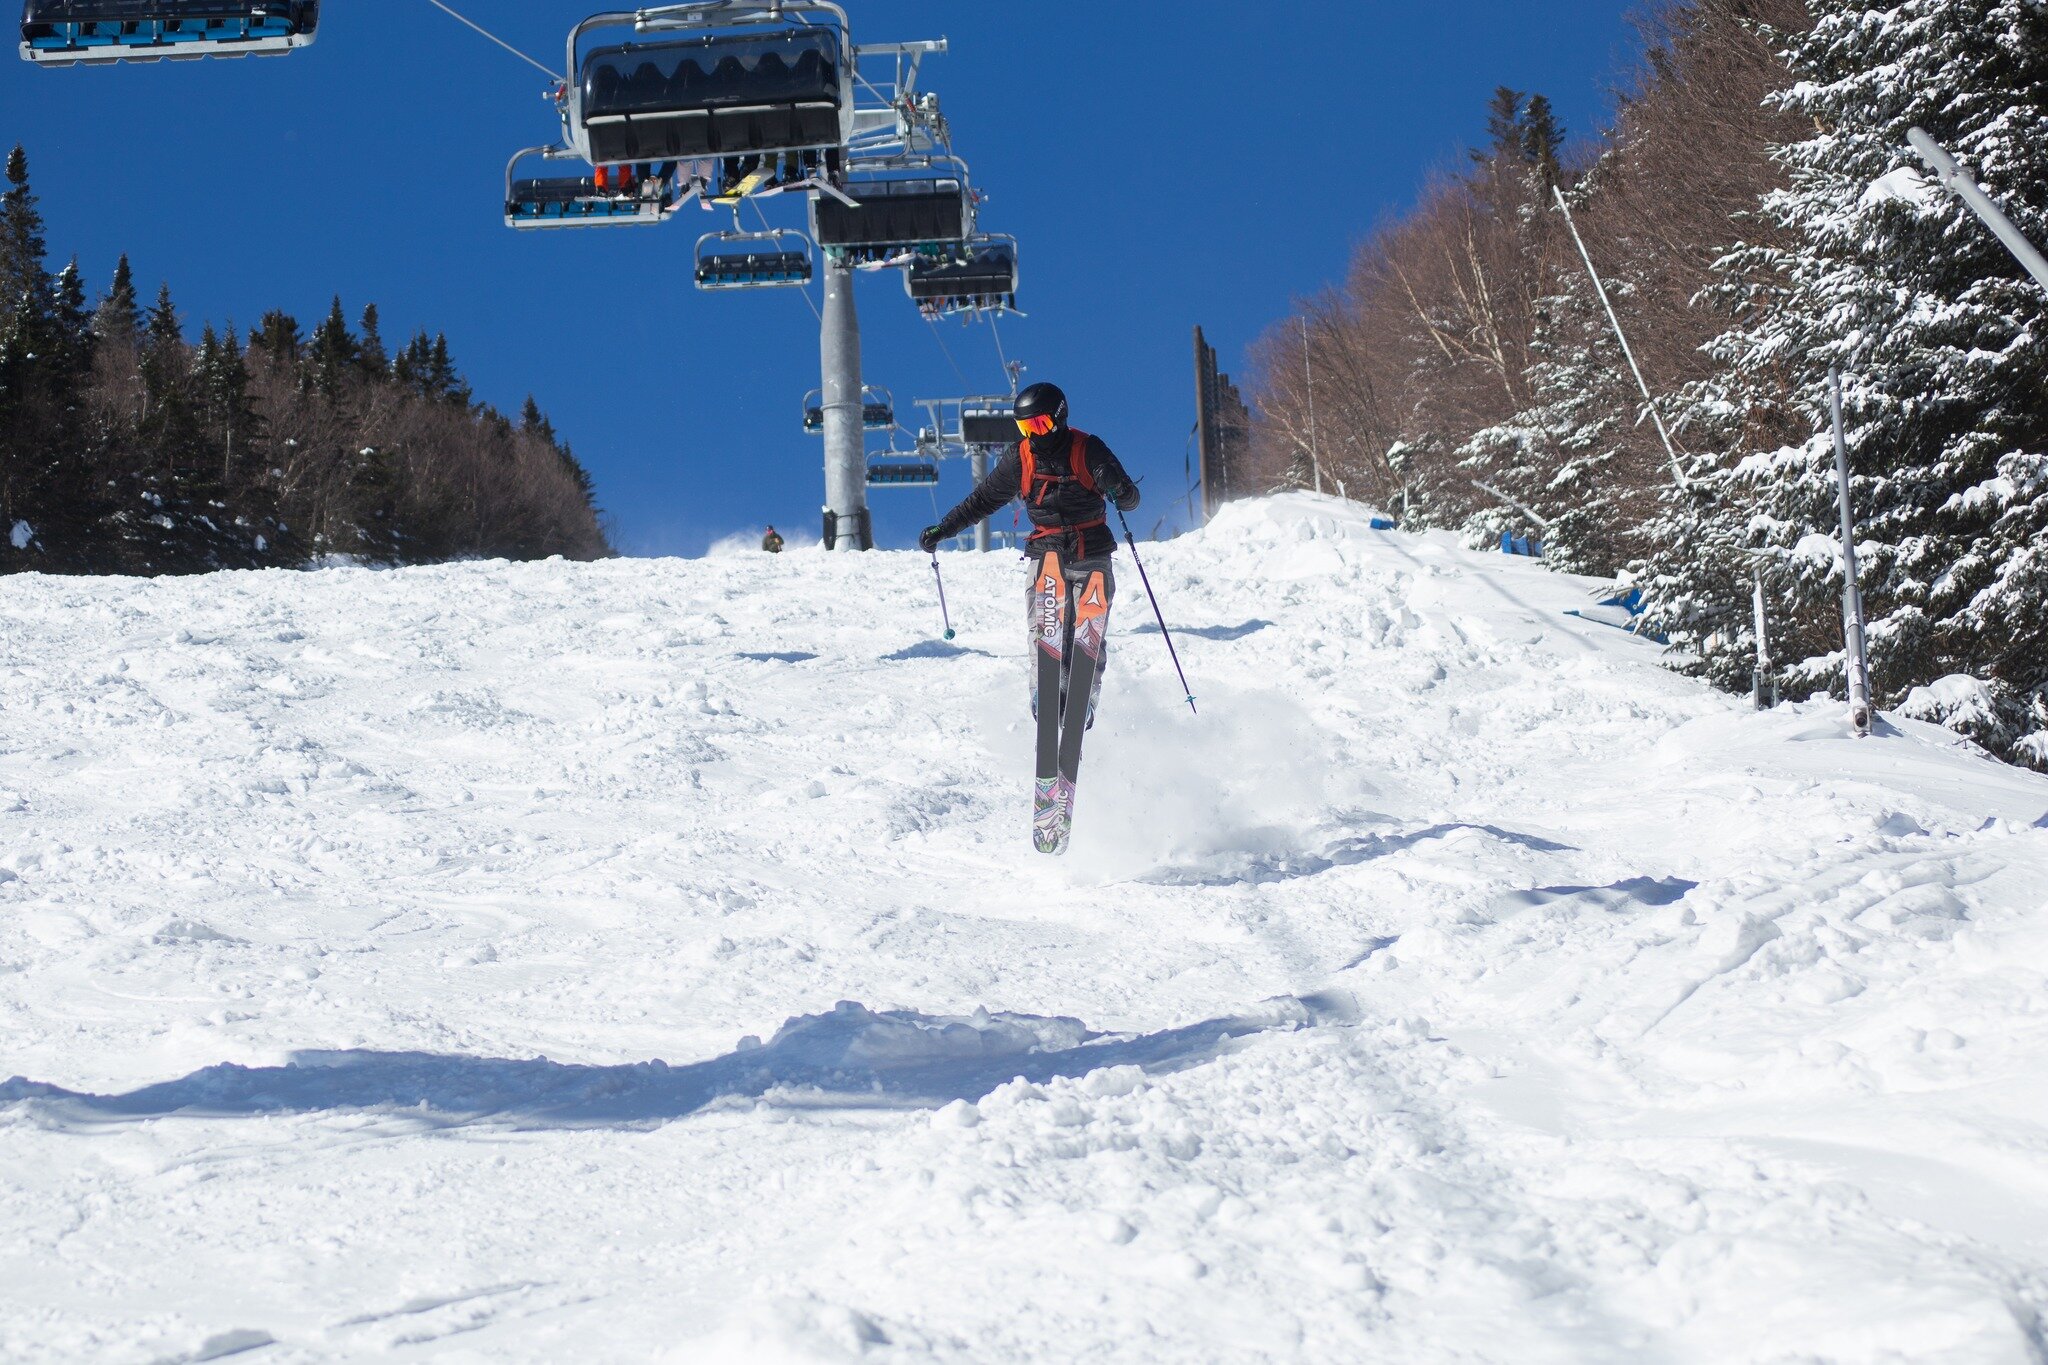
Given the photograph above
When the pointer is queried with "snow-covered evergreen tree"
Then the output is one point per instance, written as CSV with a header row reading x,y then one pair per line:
x,y
1944,344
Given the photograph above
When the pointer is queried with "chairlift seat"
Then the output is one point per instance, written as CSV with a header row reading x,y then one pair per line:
x,y
901,475
753,269
893,216
571,201
721,95
874,416
989,426
981,280
68,32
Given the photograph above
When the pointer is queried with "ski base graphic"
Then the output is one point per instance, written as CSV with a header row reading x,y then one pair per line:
x,y
1052,820
1059,771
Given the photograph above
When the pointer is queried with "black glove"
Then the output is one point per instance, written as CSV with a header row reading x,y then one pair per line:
x,y
929,539
1124,495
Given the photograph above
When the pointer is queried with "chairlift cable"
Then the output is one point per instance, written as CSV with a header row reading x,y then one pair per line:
x,y
805,290
997,332
965,382
551,73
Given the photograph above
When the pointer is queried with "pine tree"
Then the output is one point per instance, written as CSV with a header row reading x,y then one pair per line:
x,y
72,325
333,354
164,363
276,338
1944,344
370,356
43,478
1543,141
118,319
25,286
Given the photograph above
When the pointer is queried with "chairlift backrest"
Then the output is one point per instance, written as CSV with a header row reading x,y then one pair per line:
x,y
900,474
728,94
753,260
988,424
877,410
894,215
616,196
93,32
980,278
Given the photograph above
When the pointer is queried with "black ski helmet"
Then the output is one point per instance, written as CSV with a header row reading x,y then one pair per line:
x,y
1043,400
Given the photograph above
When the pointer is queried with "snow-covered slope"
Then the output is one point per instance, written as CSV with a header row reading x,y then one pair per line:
x,y
648,960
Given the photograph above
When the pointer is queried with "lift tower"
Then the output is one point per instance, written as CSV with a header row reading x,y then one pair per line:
x,y
730,103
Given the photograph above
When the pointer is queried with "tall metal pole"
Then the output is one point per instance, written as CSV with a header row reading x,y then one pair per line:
x,y
1760,685
977,465
1308,370
1628,352
846,475
1951,175
1857,657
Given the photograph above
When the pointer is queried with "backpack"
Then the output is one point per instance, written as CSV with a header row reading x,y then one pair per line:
x,y
1077,455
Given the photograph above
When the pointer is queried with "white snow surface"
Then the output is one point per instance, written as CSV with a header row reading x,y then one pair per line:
x,y
461,963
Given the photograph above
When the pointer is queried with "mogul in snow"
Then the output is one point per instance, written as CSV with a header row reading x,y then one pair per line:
x,y
1064,476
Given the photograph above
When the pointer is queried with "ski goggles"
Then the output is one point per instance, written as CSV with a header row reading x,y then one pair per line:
x,y
1037,426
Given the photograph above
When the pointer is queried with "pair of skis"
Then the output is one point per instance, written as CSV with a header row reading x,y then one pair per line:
x,y
1064,691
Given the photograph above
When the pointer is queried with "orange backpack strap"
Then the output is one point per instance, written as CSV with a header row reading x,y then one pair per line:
x,y
1080,457
1077,457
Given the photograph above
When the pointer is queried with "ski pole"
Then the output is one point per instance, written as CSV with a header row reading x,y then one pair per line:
x,y
938,578
1158,615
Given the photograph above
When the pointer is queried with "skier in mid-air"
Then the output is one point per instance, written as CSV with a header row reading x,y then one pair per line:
x,y
1063,476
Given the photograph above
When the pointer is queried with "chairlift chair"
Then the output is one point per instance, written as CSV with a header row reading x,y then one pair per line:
x,y
902,474
981,277
757,82
610,196
877,410
779,258
99,32
893,217
988,421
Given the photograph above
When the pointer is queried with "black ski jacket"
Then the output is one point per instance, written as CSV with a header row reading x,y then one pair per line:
x,y
1068,517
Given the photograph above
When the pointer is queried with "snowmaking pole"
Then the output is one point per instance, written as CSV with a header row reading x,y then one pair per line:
x,y
1856,658
1308,370
1671,449
846,478
1952,177
1760,685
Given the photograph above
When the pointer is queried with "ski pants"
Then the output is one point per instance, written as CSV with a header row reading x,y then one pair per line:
x,y
1077,575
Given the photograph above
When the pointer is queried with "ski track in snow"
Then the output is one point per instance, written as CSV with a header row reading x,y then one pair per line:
x,y
647,960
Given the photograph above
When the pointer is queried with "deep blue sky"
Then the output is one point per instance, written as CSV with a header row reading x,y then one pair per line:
x,y
1162,166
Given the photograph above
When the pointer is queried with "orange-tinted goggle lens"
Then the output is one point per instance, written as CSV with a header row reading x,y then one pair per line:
x,y
1036,426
